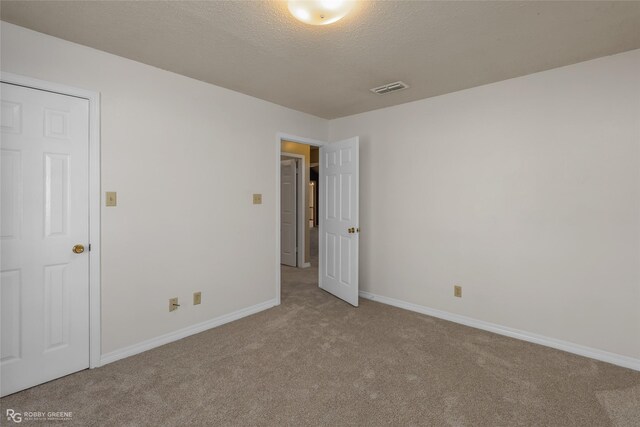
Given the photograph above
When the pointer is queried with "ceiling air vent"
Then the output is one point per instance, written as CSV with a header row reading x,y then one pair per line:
x,y
389,87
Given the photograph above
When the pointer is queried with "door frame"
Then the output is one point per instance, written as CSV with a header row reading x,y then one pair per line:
x,y
95,199
301,193
281,136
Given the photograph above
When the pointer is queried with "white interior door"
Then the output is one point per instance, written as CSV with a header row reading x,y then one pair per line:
x,y
338,217
288,212
44,298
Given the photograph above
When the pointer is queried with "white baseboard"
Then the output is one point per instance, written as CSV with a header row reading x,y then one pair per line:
x,y
183,333
604,356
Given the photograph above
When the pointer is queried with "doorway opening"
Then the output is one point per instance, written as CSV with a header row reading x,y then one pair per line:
x,y
299,185
333,244
297,150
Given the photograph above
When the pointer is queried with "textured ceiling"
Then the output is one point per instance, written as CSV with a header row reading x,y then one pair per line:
x,y
257,48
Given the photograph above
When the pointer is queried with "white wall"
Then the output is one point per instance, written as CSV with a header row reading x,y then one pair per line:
x,y
526,192
185,220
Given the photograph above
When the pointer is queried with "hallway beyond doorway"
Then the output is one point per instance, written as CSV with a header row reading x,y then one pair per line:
x,y
293,276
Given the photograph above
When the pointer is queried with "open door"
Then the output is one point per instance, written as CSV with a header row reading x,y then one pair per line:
x,y
338,215
288,213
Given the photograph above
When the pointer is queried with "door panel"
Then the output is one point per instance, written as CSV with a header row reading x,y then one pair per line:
x,y
10,315
339,219
11,192
45,212
288,213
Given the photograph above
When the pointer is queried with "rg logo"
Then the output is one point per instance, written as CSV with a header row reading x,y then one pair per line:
x,y
14,416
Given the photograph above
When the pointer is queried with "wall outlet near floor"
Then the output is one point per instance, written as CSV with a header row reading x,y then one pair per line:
x,y
197,298
173,304
457,291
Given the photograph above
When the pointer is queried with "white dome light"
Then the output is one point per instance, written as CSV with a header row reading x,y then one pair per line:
x,y
320,12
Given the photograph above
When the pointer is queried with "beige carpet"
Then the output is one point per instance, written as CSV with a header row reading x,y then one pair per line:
x,y
315,360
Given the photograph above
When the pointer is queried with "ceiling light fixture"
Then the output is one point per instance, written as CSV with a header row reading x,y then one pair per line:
x,y
320,12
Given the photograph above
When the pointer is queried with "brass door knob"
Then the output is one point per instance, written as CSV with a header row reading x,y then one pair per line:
x,y
78,249
351,230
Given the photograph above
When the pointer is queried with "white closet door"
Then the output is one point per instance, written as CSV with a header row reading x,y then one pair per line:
x,y
44,296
